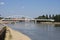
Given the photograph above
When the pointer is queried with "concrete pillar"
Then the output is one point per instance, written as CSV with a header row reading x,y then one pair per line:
x,y
35,21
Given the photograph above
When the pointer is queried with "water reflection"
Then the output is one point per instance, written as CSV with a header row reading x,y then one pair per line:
x,y
57,25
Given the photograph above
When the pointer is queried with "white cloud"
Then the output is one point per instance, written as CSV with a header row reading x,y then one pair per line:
x,y
2,3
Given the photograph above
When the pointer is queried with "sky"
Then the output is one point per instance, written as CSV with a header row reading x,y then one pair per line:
x,y
31,8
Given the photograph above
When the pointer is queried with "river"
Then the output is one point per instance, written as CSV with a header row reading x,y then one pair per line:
x,y
38,31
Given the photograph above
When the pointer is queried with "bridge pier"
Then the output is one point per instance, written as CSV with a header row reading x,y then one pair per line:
x,y
35,21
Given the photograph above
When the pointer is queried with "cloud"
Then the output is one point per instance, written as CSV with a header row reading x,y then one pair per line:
x,y
2,3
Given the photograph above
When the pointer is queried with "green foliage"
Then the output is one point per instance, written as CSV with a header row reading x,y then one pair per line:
x,y
1,18
50,17
46,16
55,17
42,17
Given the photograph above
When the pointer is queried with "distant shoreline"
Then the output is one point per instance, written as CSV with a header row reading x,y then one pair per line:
x,y
6,22
50,22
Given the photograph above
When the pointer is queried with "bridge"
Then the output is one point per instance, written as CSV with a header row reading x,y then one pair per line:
x,y
25,19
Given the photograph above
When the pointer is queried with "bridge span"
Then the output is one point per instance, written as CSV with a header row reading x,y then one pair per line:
x,y
27,19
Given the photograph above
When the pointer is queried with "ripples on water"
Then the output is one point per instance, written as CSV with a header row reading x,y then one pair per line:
x,y
38,31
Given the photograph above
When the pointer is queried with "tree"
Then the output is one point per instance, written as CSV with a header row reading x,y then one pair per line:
x,y
57,18
43,17
46,16
53,16
1,17
49,16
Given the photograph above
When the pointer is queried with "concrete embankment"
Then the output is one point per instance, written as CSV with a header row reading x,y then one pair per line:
x,y
9,34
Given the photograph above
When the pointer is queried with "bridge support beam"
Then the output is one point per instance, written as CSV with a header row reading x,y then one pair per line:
x,y
35,21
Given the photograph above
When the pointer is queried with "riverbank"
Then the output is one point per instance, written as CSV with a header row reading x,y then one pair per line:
x,y
11,34
50,22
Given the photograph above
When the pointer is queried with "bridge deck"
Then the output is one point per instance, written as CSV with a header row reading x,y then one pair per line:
x,y
28,19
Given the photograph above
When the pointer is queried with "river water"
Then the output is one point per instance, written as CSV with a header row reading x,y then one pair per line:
x,y
38,31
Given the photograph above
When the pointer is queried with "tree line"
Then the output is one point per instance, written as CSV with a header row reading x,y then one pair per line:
x,y
1,17
55,17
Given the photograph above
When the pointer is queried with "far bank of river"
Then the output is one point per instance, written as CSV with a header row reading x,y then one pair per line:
x,y
7,22
50,22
